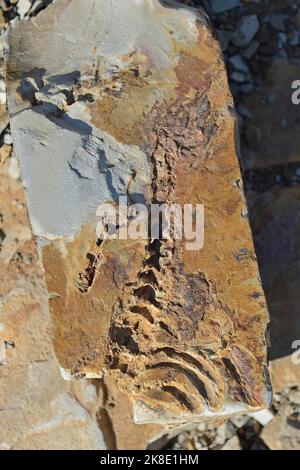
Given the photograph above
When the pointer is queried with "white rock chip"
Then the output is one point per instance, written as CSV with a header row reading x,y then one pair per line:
x,y
14,168
7,139
23,8
247,30
263,417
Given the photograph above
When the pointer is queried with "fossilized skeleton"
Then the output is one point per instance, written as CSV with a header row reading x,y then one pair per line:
x,y
133,101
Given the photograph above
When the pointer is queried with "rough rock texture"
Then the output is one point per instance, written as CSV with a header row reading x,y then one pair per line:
x,y
38,409
282,433
284,373
133,100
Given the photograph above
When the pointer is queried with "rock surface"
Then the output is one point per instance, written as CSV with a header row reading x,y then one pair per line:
x,y
93,408
38,409
282,433
270,160
149,117
268,43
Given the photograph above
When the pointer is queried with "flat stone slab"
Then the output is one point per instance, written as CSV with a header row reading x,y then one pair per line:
x,y
130,98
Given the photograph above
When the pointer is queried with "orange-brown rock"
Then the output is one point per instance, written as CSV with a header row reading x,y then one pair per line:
x,y
140,108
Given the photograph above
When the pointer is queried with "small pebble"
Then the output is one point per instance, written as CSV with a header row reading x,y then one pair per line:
x,y
220,6
224,38
251,49
2,353
253,136
294,39
277,21
244,111
247,29
238,77
263,417
238,63
247,88
14,169
7,139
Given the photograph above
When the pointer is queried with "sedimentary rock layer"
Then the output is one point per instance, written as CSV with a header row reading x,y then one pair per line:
x,y
130,98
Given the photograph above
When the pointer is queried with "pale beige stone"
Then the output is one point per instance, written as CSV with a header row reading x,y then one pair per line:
x,y
232,444
282,433
38,409
284,373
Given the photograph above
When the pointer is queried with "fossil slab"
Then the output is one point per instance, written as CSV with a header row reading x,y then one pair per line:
x,y
272,181
130,98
